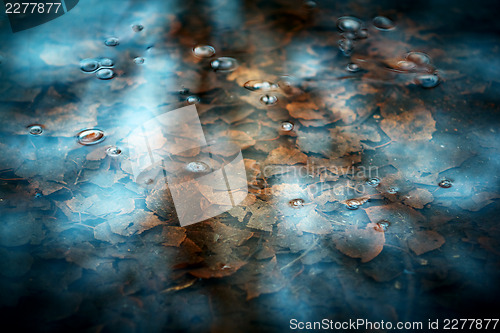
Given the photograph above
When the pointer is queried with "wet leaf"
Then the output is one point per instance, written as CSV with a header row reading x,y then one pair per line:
x,y
360,243
424,241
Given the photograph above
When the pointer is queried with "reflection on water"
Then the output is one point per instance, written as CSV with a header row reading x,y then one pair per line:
x,y
368,134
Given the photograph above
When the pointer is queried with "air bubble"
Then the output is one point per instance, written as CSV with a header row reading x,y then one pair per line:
x,y
383,23
224,64
197,167
352,67
137,27
286,126
427,80
393,190
89,65
90,137
105,74
106,62
296,203
373,181
349,24
406,65
113,151
346,46
139,60
418,58
35,129
254,85
269,99
203,51
353,204
112,41
382,226
445,183
192,99
362,34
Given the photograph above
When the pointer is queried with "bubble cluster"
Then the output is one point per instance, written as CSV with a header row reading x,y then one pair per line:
x,y
35,130
101,66
224,64
113,151
203,51
90,136
383,23
351,29
445,183
255,85
296,203
420,64
112,41
197,167
269,99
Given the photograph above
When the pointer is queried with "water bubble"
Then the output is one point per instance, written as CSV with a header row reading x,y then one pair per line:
x,y
113,151
35,129
418,58
406,65
197,167
445,183
427,80
383,23
352,67
106,62
362,34
269,99
349,24
310,4
105,74
393,190
38,193
90,136
286,126
373,181
137,27
112,41
203,51
353,204
224,64
254,85
89,65
346,46
382,226
296,203
139,60
192,99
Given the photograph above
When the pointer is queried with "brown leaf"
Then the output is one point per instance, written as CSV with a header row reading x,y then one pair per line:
x,y
418,198
361,243
410,125
283,155
425,241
